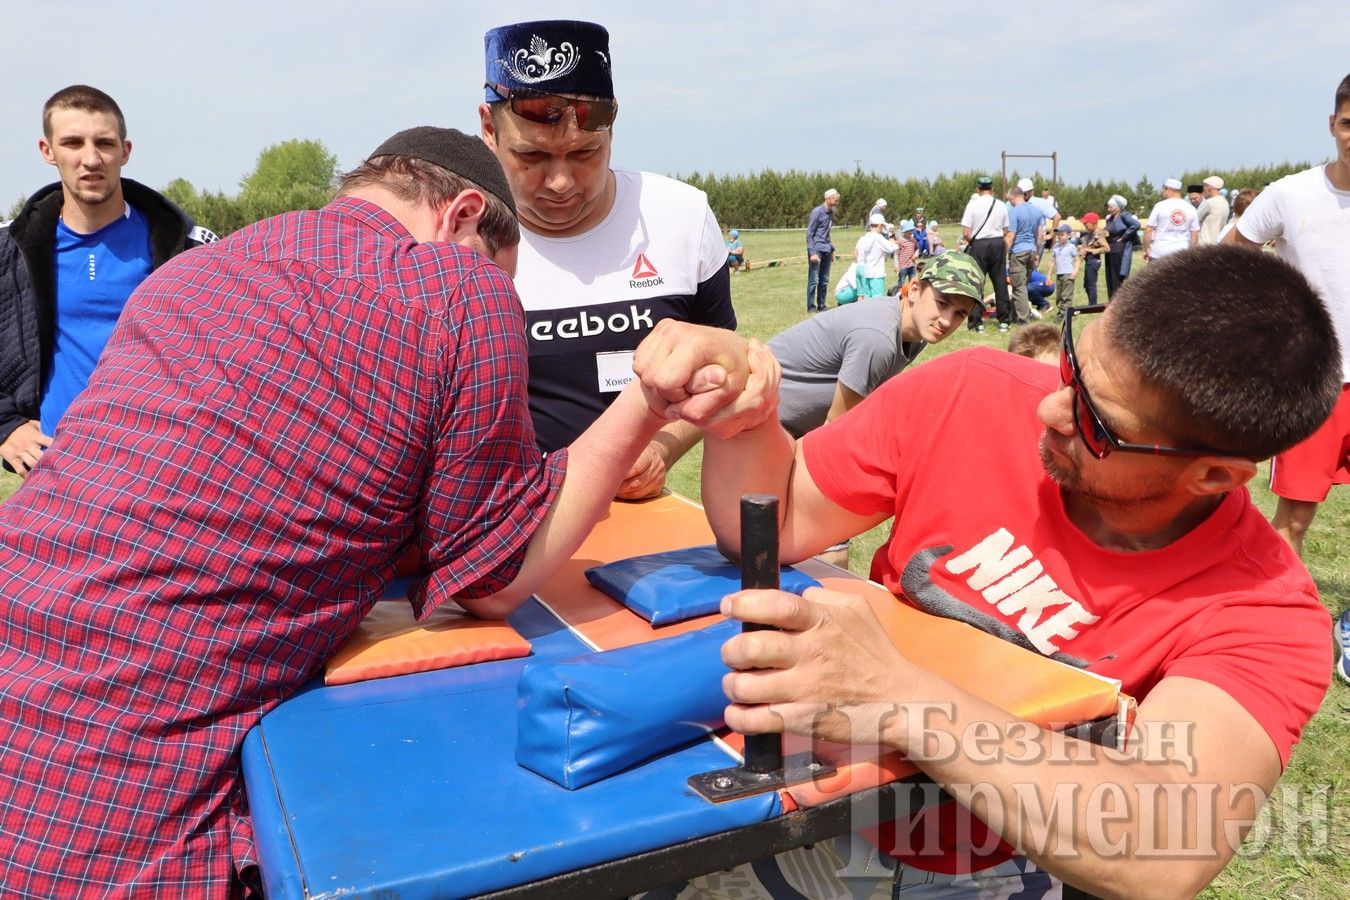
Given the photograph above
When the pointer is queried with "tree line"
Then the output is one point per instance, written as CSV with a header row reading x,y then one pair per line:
x,y
770,199
303,174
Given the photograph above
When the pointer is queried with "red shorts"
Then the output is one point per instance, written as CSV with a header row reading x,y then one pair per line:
x,y
1307,471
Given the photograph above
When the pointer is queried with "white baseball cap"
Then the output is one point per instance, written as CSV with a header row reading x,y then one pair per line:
x,y
1025,184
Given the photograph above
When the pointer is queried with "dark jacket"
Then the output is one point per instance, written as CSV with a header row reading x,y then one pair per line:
x,y
28,294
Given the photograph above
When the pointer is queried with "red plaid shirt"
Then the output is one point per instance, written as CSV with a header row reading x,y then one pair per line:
x,y
275,418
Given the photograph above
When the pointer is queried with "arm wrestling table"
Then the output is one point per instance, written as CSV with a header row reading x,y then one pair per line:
x,y
408,786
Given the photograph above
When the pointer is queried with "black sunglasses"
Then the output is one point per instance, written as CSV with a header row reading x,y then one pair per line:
x,y
1095,435
548,109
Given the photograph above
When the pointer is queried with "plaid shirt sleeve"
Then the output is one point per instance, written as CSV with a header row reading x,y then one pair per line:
x,y
489,488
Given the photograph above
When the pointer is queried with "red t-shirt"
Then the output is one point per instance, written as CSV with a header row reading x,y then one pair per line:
x,y
1228,603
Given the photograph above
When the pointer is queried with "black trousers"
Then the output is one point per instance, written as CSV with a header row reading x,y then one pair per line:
x,y
1113,279
992,255
1091,266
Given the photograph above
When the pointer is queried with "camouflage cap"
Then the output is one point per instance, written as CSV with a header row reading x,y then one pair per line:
x,y
955,272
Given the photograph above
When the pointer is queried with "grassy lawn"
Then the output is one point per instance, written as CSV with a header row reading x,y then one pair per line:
x,y
1305,850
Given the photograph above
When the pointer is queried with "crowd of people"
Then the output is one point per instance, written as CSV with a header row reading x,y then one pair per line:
x,y
229,447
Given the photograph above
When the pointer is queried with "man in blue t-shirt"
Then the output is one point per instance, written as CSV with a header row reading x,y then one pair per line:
x,y
68,263
1028,227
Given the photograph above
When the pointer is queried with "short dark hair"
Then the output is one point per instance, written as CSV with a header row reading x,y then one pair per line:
x,y
1238,340
417,181
86,98
1342,94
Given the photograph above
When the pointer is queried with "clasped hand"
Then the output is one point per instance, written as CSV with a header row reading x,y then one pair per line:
x,y
709,377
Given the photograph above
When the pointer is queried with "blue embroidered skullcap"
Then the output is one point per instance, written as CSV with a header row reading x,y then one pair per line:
x,y
557,57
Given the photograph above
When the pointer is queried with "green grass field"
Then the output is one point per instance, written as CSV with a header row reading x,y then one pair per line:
x,y
1306,849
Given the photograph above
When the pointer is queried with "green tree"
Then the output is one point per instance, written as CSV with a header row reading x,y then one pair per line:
x,y
295,174
180,191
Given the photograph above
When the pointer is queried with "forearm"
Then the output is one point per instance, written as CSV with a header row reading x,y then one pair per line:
x,y
675,440
1109,823
759,460
596,463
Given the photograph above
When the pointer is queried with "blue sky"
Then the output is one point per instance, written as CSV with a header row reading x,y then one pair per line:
x,y
1117,89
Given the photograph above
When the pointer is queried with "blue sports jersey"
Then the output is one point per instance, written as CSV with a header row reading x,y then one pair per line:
x,y
95,274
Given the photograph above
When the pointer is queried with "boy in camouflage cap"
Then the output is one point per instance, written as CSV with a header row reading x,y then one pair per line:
x,y
830,362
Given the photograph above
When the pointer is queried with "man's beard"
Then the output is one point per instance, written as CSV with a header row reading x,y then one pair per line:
x,y
1071,479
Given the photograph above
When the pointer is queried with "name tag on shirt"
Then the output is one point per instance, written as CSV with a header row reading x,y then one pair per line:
x,y
614,369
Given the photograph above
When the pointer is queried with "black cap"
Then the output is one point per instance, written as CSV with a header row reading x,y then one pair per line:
x,y
465,155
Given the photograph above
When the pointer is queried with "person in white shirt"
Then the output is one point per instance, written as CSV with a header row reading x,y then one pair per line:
x,y
986,236
873,249
1212,212
1172,226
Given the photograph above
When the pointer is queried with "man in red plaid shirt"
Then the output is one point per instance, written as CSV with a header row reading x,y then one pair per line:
x,y
275,420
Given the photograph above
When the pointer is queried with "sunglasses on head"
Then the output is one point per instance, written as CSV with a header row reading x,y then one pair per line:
x,y
1092,430
549,109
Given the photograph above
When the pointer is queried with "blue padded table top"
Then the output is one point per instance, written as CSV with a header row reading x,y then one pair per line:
x,y
408,787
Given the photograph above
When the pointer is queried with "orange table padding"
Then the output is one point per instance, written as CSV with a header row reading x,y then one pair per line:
x,y
390,642
1027,685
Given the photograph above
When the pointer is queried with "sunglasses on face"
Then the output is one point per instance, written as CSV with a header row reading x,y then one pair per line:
x,y
1092,430
549,109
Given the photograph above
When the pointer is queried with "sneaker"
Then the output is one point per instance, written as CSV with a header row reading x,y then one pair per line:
x,y
1035,313
979,329
1342,635
1003,327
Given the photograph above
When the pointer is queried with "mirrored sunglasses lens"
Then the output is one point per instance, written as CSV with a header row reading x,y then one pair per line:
x,y
545,110
1094,436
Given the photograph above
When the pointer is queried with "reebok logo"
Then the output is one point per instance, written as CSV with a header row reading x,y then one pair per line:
x,y
585,324
643,268
644,273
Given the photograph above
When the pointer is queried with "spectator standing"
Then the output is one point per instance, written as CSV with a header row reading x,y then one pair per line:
x,y
987,237
605,253
819,251
1094,247
1067,261
68,263
1046,204
1028,227
872,251
1122,235
1195,194
907,248
1172,225
877,208
735,251
1212,213
1307,215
